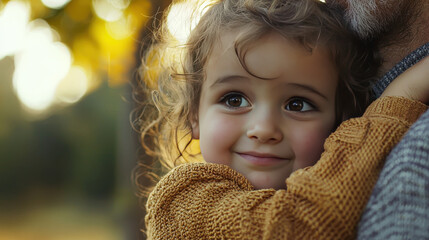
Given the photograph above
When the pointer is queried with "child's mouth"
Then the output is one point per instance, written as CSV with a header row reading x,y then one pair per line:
x,y
261,159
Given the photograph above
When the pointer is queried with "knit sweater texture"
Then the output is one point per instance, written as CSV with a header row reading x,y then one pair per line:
x,y
398,208
325,201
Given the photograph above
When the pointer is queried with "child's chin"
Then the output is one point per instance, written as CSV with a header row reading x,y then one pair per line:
x,y
265,181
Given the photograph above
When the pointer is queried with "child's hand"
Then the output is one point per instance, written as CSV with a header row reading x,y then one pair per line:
x,y
413,83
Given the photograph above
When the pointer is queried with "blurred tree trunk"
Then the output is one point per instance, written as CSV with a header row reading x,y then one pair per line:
x,y
130,151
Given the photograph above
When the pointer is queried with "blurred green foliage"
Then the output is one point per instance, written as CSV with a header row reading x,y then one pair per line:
x,y
71,150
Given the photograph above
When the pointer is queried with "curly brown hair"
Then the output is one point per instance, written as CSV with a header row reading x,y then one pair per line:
x,y
173,74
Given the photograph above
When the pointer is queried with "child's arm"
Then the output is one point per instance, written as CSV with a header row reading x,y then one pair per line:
x,y
203,201
412,84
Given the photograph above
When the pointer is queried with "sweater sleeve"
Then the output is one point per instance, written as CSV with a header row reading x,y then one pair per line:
x,y
325,201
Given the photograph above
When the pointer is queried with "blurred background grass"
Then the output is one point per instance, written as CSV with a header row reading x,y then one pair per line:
x,y
67,148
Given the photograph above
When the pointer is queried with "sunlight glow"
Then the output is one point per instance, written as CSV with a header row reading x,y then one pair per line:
x,y
110,10
55,4
40,66
13,22
184,16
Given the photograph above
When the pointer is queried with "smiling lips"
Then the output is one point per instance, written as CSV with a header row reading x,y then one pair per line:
x,y
261,159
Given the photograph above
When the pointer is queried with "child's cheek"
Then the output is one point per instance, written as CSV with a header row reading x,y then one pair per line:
x,y
308,145
217,137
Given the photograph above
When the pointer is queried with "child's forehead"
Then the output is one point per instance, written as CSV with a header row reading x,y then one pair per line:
x,y
246,37
241,43
269,57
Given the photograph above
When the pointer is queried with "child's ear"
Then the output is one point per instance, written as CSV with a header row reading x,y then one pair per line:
x,y
195,130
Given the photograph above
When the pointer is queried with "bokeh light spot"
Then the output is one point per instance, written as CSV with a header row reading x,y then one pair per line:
x,y
74,86
55,4
40,66
13,22
109,10
120,29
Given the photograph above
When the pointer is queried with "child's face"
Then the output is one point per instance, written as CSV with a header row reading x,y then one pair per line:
x,y
266,129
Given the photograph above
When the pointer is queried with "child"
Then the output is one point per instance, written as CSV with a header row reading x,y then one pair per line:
x,y
263,85
305,54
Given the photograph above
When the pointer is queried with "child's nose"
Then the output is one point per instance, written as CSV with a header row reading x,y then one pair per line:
x,y
265,129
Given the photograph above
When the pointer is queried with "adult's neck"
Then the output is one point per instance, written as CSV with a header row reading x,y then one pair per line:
x,y
394,46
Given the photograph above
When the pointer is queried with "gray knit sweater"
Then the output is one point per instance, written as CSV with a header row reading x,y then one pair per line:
x,y
399,205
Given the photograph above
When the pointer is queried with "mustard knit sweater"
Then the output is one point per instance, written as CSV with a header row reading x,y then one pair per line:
x,y
325,201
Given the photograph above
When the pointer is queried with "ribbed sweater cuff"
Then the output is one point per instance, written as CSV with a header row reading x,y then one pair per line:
x,y
403,109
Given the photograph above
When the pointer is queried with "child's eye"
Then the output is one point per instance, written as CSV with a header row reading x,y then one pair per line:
x,y
235,100
298,105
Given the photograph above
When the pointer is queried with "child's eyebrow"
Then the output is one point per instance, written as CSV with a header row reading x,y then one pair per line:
x,y
228,78
308,88
231,78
